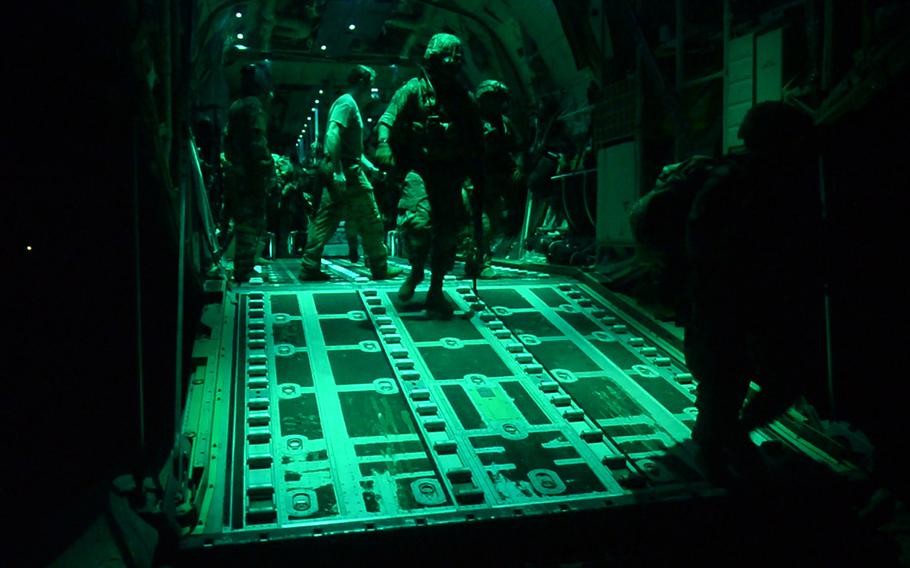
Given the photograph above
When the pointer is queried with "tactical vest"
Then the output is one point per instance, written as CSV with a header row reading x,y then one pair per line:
x,y
435,135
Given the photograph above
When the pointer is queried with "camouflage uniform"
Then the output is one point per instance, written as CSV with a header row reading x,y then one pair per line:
x,y
502,168
355,203
358,203
248,173
422,236
283,202
475,263
436,136
351,230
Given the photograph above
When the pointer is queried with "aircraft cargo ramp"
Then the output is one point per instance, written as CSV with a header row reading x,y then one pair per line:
x,y
334,410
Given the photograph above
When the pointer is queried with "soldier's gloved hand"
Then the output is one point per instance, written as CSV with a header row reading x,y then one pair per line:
x,y
308,208
384,154
375,174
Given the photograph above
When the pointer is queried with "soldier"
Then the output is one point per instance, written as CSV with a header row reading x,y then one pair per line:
x,y
502,170
349,192
282,202
432,127
753,246
249,170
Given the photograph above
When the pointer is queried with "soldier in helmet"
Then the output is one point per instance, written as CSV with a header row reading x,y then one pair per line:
x,y
502,163
753,244
432,129
248,168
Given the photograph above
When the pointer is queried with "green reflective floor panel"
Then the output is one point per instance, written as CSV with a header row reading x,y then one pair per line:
x,y
350,410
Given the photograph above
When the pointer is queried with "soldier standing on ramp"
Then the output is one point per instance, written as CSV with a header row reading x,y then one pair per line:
x,y
249,169
349,191
433,130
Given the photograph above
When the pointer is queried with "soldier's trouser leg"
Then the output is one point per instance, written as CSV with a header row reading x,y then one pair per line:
x,y
414,230
362,209
351,230
446,219
492,211
768,404
785,371
492,224
247,235
320,230
723,381
475,259
487,239
721,391
414,220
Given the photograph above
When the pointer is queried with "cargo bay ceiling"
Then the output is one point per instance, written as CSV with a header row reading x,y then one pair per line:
x,y
310,45
549,52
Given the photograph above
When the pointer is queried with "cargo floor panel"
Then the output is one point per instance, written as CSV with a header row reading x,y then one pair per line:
x,y
289,333
294,368
503,297
353,366
445,363
563,355
345,410
423,329
346,331
528,468
337,303
603,397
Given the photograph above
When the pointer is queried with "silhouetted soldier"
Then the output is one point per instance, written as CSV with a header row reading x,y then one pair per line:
x,y
754,247
502,164
249,169
433,128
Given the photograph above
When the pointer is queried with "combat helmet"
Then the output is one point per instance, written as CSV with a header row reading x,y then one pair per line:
x,y
444,49
493,88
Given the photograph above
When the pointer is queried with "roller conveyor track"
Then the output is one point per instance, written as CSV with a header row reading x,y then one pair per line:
x,y
335,408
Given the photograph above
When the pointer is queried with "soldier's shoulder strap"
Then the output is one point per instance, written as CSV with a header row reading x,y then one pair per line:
x,y
426,92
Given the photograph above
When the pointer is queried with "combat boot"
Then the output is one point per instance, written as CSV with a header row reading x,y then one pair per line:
x,y
729,456
406,292
487,273
313,276
386,273
437,306
242,276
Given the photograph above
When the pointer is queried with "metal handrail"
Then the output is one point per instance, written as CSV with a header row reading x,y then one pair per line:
x,y
572,174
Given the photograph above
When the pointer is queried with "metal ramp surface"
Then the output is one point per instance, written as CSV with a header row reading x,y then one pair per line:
x,y
335,408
